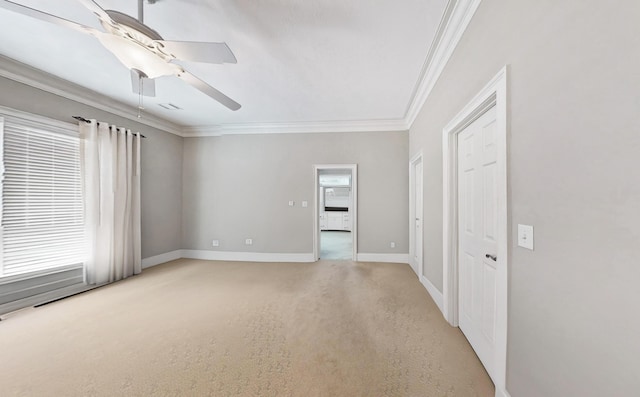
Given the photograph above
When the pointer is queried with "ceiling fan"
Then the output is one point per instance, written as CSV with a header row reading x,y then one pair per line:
x,y
142,50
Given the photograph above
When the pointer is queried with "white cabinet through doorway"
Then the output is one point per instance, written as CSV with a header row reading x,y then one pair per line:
x,y
335,220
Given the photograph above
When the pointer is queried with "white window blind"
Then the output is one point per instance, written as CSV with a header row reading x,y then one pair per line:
x,y
42,211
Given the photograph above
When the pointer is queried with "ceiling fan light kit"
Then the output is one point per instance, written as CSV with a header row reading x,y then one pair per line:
x,y
142,50
152,64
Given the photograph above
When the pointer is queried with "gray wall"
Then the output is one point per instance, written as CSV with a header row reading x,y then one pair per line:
x,y
238,186
161,162
574,150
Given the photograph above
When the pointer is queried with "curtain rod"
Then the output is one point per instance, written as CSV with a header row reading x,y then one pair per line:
x,y
80,118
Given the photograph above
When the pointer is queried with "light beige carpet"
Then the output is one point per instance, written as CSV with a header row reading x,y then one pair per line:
x,y
200,328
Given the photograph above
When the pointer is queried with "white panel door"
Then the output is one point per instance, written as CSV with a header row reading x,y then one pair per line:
x,y
477,245
417,228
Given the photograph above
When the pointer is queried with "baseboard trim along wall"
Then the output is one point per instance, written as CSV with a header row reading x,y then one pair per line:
x,y
259,257
42,298
247,256
389,258
162,258
501,393
433,291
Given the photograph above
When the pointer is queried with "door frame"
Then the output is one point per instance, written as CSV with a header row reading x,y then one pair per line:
x,y
417,158
493,94
354,206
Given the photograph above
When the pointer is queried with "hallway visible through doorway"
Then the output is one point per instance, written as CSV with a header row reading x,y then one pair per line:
x,y
335,215
336,245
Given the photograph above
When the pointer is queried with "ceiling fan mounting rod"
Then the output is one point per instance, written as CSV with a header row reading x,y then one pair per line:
x,y
141,11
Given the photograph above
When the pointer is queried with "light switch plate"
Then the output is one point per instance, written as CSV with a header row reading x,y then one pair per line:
x,y
291,203
525,236
216,243
305,204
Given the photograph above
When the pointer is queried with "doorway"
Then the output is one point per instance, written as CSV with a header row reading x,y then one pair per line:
x,y
335,212
475,225
415,214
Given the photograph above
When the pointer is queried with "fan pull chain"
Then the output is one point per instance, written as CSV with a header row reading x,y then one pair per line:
x,y
140,104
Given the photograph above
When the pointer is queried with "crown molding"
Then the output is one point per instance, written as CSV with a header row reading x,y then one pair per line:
x,y
296,128
454,22
41,80
456,18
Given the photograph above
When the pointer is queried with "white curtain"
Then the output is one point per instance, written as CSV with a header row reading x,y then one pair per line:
x,y
111,175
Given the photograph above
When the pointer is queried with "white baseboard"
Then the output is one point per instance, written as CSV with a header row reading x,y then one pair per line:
x,y
247,256
390,258
260,257
43,298
162,258
501,393
435,294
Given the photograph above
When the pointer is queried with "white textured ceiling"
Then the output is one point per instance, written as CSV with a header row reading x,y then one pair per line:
x,y
299,61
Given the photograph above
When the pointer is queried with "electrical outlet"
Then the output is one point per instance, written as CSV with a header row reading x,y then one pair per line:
x,y
248,241
292,203
393,244
215,243
305,204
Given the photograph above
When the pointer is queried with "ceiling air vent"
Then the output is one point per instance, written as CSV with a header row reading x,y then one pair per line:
x,y
169,106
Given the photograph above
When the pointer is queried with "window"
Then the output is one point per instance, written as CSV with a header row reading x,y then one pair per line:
x,y
335,180
42,212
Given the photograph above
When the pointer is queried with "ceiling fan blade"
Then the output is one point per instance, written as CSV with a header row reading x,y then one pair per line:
x,y
199,51
43,16
139,80
96,9
207,89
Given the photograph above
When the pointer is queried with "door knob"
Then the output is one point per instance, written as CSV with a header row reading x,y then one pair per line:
x,y
492,257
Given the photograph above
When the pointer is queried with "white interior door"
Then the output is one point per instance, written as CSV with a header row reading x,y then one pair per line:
x,y
416,263
477,239
318,212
